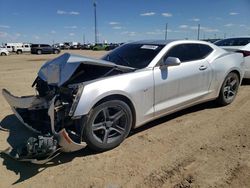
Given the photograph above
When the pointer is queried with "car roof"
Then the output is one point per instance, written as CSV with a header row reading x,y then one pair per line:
x,y
165,42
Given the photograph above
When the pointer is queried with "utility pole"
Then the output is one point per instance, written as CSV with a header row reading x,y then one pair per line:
x,y
166,32
95,22
198,37
83,38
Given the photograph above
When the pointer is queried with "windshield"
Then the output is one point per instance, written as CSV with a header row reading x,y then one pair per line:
x,y
134,55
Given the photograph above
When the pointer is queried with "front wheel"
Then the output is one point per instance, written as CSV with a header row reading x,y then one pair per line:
x,y
107,125
3,54
229,89
56,51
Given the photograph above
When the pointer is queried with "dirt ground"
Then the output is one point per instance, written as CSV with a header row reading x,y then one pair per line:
x,y
202,146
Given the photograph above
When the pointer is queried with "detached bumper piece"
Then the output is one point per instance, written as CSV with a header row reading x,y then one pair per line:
x,y
38,150
39,115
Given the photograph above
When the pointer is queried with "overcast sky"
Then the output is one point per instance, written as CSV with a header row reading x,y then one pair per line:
x,y
45,21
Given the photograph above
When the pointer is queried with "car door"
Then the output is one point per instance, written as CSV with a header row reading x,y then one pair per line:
x,y
178,86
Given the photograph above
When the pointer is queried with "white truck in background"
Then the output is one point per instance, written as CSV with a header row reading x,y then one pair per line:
x,y
18,48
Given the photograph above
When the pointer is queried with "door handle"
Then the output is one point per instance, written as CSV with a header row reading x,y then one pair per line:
x,y
203,67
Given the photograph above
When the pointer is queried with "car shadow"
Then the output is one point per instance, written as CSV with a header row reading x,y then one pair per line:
x,y
18,134
245,82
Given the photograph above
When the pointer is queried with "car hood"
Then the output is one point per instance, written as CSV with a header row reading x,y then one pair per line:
x,y
59,70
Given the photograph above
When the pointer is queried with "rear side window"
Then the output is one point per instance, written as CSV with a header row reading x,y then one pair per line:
x,y
226,42
34,45
241,41
45,45
233,42
205,50
189,52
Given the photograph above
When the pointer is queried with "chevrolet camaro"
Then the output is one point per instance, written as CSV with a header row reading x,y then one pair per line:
x,y
97,102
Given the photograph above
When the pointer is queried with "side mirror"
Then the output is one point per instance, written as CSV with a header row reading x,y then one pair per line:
x,y
172,61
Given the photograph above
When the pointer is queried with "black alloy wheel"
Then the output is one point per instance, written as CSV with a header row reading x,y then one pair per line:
x,y
229,89
108,124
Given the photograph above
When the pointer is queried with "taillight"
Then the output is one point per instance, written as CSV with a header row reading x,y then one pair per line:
x,y
244,52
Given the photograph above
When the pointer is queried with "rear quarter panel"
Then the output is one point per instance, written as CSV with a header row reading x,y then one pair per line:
x,y
222,65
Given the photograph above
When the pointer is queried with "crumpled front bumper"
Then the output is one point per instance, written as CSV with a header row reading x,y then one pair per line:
x,y
66,144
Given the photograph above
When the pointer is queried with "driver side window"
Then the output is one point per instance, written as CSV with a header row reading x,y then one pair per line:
x,y
177,51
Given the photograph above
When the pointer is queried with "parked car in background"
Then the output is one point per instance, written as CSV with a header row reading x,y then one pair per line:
x,y
86,46
10,46
4,52
238,44
98,101
100,46
111,46
211,40
25,47
44,49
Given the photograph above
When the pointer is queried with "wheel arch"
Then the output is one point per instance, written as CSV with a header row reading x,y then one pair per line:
x,y
236,72
122,98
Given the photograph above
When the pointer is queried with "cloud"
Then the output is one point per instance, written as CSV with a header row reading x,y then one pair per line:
x,y
71,27
62,12
17,35
156,32
148,14
129,33
166,14
195,19
74,13
204,29
53,32
114,23
233,13
71,34
36,37
183,26
117,27
229,25
4,26
3,34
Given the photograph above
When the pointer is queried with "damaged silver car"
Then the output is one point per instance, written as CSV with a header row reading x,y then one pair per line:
x,y
98,101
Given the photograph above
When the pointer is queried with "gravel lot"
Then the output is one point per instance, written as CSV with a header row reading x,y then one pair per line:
x,y
202,146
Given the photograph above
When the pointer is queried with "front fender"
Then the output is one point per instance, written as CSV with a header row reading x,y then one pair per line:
x,y
138,87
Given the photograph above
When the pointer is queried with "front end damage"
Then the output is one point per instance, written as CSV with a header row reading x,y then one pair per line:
x,y
50,113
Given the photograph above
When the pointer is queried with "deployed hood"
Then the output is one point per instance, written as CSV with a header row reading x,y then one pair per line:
x,y
59,70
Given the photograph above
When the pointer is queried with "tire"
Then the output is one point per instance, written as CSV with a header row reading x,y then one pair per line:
x,y
19,51
3,54
39,52
107,125
229,89
56,51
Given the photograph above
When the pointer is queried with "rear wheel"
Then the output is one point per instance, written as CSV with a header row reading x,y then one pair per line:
x,y
229,89
39,52
3,54
107,125
19,51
